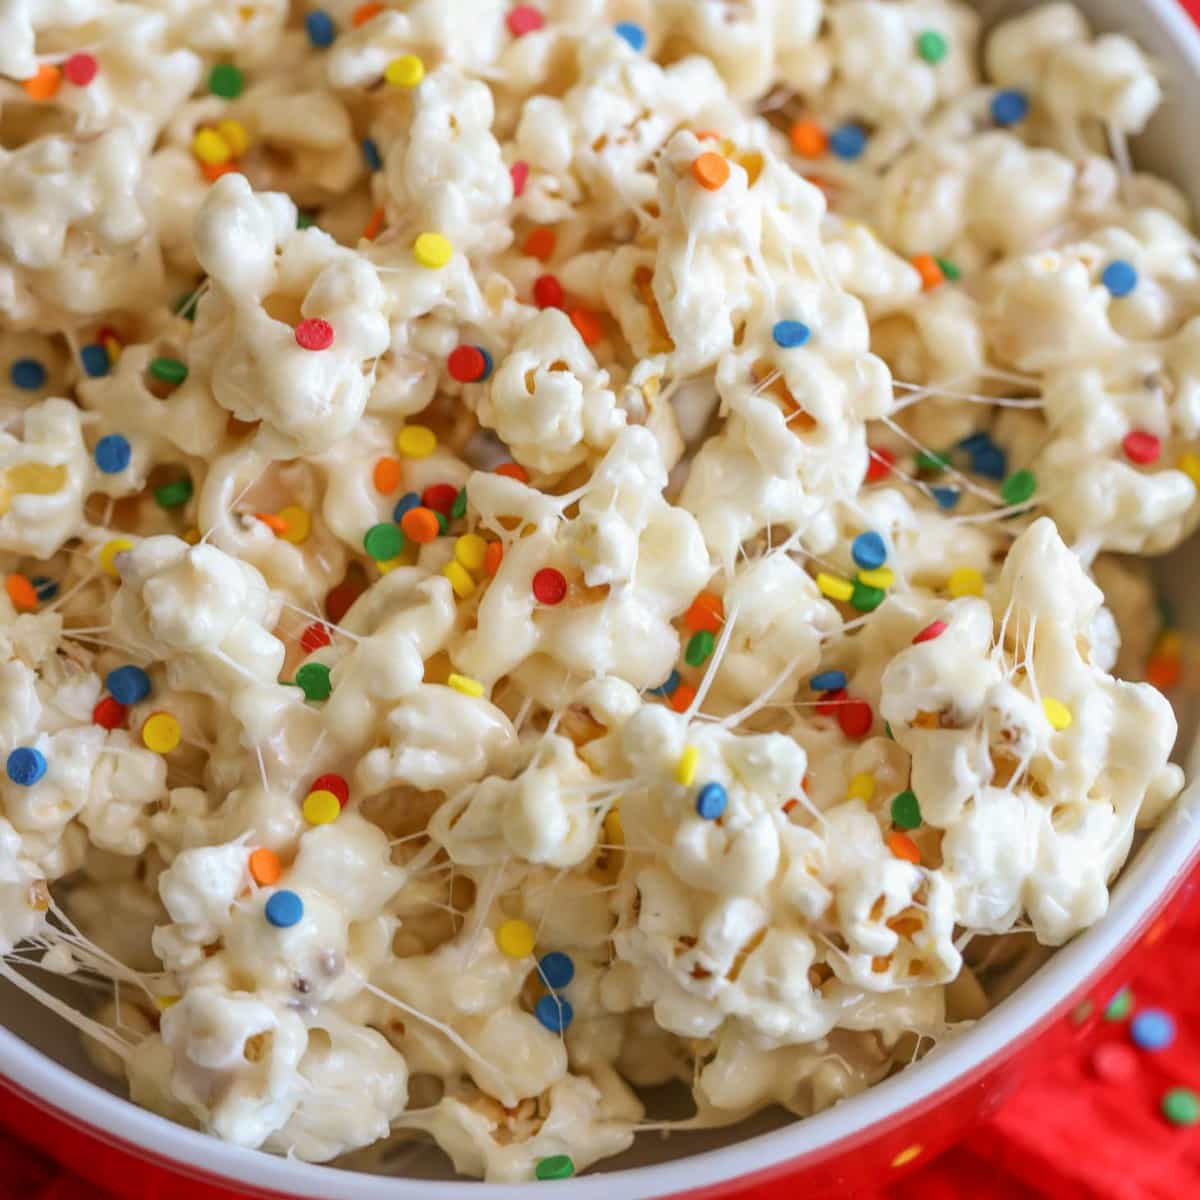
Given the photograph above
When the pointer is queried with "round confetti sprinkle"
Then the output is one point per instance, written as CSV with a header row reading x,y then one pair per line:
x,y
314,334
906,810
211,148
174,494
711,801
27,374
109,552
336,784
226,80
320,28
1141,447
284,909
466,364
866,598
524,19
470,550
321,808
44,84
931,631
386,474
685,768
458,509
855,718
965,581
440,497
931,274
364,13
682,697
1152,1029
161,733
1181,1106
549,586
1113,1063
1057,713
420,525
313,681
1009,107
513,470
314,637
862,787
1119,1006
405,72
932,46
1019,487
879,465
790,334
547,292
554,1012
710,171
95,360
557,1166
931,460
949,269
557,969
877,577
946,497
519,172
515,938
45,587
848,142
706,612
869,550
406,503
383,542
989,461
265,867
416,441
828,681
21,592
808,139
830,702
632,33
699,647
113,453
668,686
833,587
588,325
128,685
26,766
235,135
108,713
1120,278
461,583
902,846
432,250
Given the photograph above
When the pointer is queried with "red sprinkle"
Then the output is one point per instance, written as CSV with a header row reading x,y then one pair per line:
x,y
930,632
109,713
440,497
547,292
830,702
513,470
1141,447
520,177
856,718
314,334
549,586
339,599
80,69
1114,1062
466,364
879,465
524,19
332,783
314,637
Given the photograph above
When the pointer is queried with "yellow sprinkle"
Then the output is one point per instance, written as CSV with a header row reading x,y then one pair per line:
x,y
965,581
161,733
614,831
470,550
321,807
297,521
192,537
880,577
416,441
41,479
162,1003
405,72
1189,464
466,685
685,768
112,348
834,587
907,1155
515,938
234,135
862,787
432,250
460,579
109,552
1057,713
388,565
211,148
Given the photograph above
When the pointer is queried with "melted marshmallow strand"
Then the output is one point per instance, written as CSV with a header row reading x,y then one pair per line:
x,y
555,549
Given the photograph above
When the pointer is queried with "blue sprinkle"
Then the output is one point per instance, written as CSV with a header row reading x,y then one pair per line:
x,y
113,453
26,765
828,681
711,801
27,374
128,685
975,442
95,360
667,688
370,151
868,550
991,462
633,33
848,142
946,497
1152,1029
45,587
1120,277
1009,107
557,969
554,1012
407,501
487,364
284,909
790,334
320,28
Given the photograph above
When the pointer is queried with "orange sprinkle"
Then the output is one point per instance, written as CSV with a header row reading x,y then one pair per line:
x,y
387,475
492,558
44,84
22,593
681,698
705,614
705,135
214,171
1162,671
540,243
276,524
265,867
420,525
902,846
710,171
809,140
363,13
930,272
513,471
374,225
587,325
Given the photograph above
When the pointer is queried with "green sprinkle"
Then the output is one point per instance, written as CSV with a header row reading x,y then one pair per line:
x,y
930,460
169,370
906,811
185,306
304,219
1181,1106
172,495
932,47
699,647
949,269
313,680
1018,487
557,1166
383,542
226,81
887,729
1119,1006
442,520
867,599
458,509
